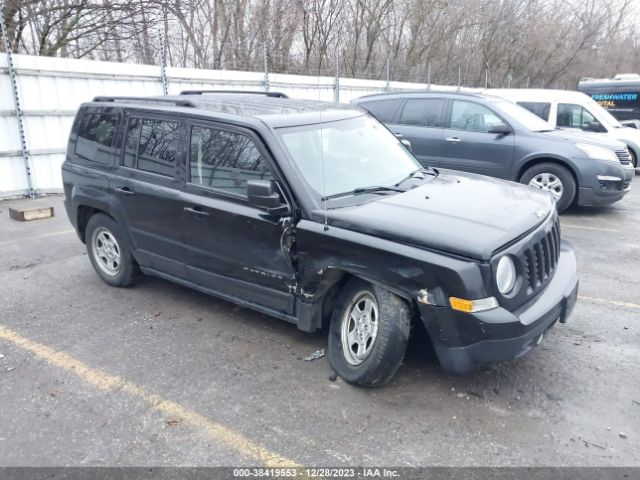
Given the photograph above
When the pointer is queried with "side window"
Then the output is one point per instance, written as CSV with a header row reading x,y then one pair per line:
x,y
383,110
473,117
225,160
576,116
424,112
541,109
95,137
151,146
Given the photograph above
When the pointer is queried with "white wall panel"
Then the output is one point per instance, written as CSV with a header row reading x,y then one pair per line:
x,y
47,175
12,176
51,89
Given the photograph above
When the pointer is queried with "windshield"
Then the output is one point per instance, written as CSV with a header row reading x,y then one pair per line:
x,y
341,156
609,119
523,116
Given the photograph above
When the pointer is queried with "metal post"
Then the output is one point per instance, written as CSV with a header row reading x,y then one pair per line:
x,y
266,66
16,103
163,61
429,76
336,83
509,80
388,86
459,77
486,79
527,82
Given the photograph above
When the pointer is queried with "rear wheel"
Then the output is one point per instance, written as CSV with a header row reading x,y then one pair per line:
x,y
108,251
368,335
634,158
552,178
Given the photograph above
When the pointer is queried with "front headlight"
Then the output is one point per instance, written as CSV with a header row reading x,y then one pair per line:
x,y
505,275
597,153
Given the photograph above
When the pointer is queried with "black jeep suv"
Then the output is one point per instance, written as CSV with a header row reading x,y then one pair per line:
x,y
316,213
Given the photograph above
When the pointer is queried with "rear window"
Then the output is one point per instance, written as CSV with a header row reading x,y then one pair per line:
x,y
95,137
424,112
383,110
541,109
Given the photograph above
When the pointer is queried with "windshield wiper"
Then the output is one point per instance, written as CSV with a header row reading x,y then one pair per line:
x,y
427,170
361,190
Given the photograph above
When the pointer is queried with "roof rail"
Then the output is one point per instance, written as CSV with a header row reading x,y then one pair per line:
x,y
176,102
250,92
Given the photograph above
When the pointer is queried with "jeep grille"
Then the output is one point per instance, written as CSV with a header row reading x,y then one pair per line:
x,y
540,259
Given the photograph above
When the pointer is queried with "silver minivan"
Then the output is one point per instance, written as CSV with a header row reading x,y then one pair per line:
x,y
573,110
491,136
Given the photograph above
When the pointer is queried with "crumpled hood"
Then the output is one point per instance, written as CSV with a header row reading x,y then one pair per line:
x,y
592,138
460,213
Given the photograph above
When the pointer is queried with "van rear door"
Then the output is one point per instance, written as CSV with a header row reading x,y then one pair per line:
x,y
421,121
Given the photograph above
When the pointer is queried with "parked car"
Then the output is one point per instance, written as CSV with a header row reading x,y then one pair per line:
x,y
316,214
490,136
574,110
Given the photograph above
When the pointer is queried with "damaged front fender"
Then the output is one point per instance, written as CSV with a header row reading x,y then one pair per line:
x,y
327,258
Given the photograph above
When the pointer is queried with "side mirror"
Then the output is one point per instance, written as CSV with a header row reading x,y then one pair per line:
x,y
594,127
264,194
403,141
500,129
407,144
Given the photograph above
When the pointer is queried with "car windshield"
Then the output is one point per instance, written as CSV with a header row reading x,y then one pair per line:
x,y
520,114
602,113
341,156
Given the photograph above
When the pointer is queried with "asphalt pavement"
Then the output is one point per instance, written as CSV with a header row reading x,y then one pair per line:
x,y
160,375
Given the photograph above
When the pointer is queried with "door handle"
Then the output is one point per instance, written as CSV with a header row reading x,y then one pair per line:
x,y
453,140
126,191
196,211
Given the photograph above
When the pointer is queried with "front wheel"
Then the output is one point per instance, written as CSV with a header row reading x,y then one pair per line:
x,y
634,158
369,334
552,178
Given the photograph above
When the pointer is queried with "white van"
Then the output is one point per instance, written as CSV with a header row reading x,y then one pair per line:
x,y
575,110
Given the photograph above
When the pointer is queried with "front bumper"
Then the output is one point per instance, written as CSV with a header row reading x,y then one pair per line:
x,y
465,340
608,188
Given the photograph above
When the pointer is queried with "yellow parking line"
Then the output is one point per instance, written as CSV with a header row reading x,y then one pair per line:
x,y
112,383
37,237
604,301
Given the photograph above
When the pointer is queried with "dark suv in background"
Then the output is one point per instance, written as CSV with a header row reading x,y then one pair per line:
x,y
316,214
491,136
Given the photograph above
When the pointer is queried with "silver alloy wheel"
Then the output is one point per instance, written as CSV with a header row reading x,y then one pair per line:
x,y
359,328
106,251
549,183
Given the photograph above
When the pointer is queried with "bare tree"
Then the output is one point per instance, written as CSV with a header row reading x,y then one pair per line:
x,y
543,42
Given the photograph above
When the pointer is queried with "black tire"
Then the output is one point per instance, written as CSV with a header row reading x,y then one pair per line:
x,y
568,182
101,226
386,351
634,158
